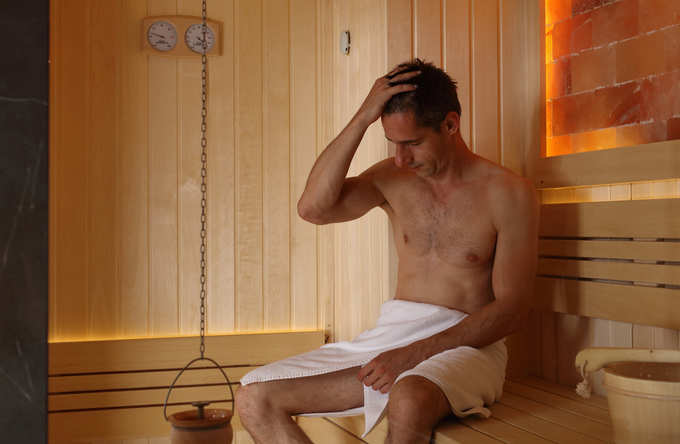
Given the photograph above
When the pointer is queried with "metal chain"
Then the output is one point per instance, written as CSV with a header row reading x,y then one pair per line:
x,y
204,173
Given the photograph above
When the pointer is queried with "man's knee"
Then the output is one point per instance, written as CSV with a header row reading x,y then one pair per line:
x,y
251,401
416,402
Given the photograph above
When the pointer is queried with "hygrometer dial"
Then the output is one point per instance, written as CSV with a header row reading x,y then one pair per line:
x,y
162,36
194,38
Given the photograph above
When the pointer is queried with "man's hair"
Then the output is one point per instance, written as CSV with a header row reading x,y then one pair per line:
x,y
434,98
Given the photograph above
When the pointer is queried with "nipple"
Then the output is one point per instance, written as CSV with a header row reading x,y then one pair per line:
x,y
471,257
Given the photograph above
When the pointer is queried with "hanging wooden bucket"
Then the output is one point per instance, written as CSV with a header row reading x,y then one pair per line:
x,y
201,426
643,392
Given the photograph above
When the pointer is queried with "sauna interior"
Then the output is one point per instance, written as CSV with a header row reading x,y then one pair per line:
x,y
581,96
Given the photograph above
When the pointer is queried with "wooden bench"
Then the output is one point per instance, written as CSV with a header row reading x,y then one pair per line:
x,y
531,411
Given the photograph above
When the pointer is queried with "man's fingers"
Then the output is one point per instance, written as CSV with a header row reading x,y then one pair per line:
x,y
365,370
399,71
403,76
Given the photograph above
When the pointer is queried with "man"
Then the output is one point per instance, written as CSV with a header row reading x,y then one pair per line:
x,y
466,235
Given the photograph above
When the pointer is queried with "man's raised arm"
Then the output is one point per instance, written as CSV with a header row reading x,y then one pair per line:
x,y
331,197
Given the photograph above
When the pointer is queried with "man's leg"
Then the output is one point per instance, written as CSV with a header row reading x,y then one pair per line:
x,y
415,407
265,408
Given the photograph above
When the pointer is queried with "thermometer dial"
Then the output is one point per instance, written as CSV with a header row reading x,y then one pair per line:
x,y
162,36
194,38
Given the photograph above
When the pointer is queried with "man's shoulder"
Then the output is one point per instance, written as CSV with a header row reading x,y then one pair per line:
x,y
511,193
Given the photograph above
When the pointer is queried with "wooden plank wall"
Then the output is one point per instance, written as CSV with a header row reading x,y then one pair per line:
x,y
125,171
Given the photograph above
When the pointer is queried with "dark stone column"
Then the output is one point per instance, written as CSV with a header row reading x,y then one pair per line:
x,y
24,88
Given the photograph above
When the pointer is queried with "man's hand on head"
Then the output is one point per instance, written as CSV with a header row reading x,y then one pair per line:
x,y
383,89
384,369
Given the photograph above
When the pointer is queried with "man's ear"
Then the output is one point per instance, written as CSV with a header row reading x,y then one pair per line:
x,y
451,123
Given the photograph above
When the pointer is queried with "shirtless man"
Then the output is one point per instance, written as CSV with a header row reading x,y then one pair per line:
x,y
466,236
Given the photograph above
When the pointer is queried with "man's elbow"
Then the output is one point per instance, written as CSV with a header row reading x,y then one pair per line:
x,y
309,213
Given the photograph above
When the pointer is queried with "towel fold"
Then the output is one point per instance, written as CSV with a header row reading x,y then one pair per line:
x,y
469,377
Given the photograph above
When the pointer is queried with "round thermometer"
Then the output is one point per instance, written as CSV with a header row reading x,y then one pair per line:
x,y
194,38
162,36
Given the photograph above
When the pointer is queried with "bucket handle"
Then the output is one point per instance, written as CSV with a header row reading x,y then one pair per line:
x,y
165,404
593,359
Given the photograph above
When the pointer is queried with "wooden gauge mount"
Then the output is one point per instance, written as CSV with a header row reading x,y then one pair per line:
x,y
180,36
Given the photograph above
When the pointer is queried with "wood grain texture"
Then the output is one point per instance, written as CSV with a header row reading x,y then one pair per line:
x,y
222,174
303,139
427,32
71,257
485,80
248,129
163,196
457,62
133,226
102,184
276,166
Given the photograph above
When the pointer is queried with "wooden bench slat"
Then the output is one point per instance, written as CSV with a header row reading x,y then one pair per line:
x,y
610,301
502,431
567,392
620,271
113,381
594,413
452,431
321,430
545,429
131,398
651,251
355,426
564,418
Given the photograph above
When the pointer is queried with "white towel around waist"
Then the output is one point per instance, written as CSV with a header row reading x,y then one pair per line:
x,y
401,323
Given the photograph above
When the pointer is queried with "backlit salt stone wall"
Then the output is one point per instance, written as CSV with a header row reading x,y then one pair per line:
x,y
612,73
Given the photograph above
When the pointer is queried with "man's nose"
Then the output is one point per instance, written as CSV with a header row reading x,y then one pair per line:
x,y
403,156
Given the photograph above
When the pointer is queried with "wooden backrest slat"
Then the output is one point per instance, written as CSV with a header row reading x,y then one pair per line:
x,y
175,353
613,249
141,380
625,219
626,303
611,270
134,398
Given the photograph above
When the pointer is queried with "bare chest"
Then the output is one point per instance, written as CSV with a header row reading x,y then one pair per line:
x,y
457,230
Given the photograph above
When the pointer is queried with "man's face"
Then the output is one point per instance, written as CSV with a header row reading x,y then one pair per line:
x,y
420,149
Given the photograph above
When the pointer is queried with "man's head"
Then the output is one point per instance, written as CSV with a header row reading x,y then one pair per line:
x,y
423,124
434,98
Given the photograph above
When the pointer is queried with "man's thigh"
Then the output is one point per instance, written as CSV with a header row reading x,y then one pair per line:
x,y
331,392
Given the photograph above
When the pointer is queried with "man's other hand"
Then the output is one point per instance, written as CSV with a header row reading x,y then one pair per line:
x,y
383,89
384,369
